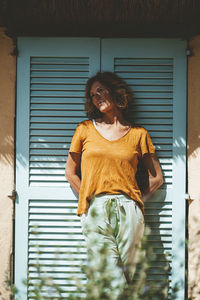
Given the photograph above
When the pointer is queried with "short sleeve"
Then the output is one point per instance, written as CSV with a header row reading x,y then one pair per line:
x,y
146,145
76,143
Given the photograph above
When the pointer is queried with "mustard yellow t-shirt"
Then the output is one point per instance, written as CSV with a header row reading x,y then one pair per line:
x,y
109,167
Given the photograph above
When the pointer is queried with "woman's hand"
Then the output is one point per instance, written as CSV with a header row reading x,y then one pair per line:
x,y
152,165
72,170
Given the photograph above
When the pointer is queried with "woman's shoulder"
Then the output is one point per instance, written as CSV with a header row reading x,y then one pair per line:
x,y
81,129
83,126
139,129
85,123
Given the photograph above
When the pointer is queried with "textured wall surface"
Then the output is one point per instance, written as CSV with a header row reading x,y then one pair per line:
x,y
7,108
194,167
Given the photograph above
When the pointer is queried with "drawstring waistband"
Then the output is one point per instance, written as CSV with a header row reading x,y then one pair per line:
x,y
110,197
113,205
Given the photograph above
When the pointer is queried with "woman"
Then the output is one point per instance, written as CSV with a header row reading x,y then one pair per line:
x,y
107,148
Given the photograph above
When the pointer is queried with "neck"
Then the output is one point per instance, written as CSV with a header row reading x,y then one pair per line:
x,y
113,117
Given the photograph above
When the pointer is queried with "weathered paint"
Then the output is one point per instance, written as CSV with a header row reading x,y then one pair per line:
x,y
7,109
194,167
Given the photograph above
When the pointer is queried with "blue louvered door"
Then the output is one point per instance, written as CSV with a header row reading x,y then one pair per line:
x,y
51,76
156,71
50,90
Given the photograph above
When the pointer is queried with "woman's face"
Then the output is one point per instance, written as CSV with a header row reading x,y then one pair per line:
x,y
101,97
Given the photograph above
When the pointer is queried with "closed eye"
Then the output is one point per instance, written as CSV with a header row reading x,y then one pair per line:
x,y
99,91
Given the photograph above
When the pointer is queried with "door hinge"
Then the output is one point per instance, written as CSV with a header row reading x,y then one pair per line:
x,y
188,198
15,51
189,52
13,195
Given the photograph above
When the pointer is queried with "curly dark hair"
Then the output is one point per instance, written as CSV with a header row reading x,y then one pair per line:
x,y
121,94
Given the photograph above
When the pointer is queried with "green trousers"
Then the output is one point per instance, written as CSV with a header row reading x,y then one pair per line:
x,y
113,228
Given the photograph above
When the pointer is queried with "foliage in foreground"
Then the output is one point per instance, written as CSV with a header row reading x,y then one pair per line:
x,y
99,284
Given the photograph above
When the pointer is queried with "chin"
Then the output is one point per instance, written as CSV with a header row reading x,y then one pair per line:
x,y
103,111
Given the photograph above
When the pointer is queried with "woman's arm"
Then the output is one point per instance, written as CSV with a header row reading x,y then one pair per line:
x,y
152,165
72,170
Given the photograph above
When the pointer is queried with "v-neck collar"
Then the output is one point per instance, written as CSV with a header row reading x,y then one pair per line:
x,y
110,141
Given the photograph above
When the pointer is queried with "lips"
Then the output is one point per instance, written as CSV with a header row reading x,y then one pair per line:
x,y
100,102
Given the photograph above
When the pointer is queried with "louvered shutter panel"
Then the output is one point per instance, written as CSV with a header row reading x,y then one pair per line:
x,y
155,69
51,78
50,87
